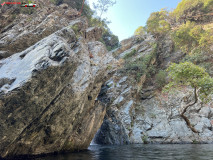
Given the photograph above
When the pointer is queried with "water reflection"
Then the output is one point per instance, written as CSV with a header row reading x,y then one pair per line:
x,y
140,152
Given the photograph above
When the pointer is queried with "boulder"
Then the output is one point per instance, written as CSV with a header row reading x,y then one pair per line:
x,y
48,95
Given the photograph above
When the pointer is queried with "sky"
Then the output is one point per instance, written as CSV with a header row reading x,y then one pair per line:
x,y
127,15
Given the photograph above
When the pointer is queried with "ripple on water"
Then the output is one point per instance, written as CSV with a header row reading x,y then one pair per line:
x,y
140,152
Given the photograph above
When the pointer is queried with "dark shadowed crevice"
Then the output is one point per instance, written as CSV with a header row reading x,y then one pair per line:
x,y
111,130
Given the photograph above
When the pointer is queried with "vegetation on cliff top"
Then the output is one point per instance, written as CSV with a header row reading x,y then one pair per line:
x,y
158,24
194,39
191,37
108,38
185,6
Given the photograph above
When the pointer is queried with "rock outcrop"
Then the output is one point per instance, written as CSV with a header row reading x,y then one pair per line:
x,y
48,91
138,112
20,31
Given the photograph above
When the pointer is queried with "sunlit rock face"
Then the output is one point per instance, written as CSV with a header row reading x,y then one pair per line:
x,y
19,29
138,112
48,93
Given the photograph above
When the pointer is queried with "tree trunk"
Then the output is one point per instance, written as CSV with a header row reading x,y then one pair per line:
x,y
185,109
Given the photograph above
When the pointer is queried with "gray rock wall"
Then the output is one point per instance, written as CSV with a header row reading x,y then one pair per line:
x,y
137,112
48,94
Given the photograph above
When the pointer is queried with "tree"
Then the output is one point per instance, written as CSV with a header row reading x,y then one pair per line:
x,y
194,76
187,6
140,31
189,36
102,6
158,24
182,37
109,39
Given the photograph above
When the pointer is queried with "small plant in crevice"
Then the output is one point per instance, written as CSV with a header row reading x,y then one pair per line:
x,y
160,78
109,67
75,28
152,115
130,54
143,65
145,139
195,141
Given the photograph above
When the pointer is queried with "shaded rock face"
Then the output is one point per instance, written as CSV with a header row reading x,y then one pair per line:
x,y
137,112
48,94
112,130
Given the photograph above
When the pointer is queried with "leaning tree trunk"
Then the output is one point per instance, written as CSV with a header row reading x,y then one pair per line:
x,y
185,109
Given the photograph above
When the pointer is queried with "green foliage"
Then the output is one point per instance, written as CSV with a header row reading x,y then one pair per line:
x,y
109,67
13,16
152,115
158,24
196,57
200,58
206,39
98,22
109,39
161,78
28,10
206,84
130,54
140,31
188,5
142,65
102,6
189,36
183,37
75,28
192,75
145,139
87,11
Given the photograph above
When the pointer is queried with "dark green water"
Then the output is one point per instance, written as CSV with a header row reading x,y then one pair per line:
x,y
140,152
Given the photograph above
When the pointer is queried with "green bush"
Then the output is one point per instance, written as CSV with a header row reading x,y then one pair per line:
x,y
161,78
140,31
188,5
141,66
192,75
183,39
206,39
130,54
189,37
109,39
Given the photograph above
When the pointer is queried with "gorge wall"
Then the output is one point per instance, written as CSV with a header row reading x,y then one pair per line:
x,y
60,88
138,111
50,77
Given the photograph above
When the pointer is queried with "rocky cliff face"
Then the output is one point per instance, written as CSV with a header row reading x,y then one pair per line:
x,y
20,31
48,91
138,112
58,84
